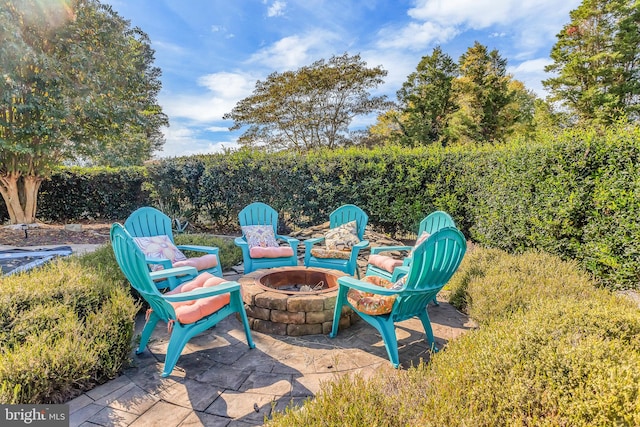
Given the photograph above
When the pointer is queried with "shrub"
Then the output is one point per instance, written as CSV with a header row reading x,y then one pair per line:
x,y
516,282
566,361
556,351
65,327
75,194
573,193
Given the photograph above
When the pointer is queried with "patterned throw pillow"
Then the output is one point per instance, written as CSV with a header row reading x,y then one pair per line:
x,y
259,236
342,238
424,236
159,247
399,284
370,303
330,254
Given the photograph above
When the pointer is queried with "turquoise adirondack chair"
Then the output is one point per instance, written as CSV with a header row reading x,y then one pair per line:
x,y
390,269
434,262
190,309
260,239
338,260
148,222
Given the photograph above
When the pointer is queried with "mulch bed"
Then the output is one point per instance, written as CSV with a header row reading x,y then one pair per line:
x,y
54,234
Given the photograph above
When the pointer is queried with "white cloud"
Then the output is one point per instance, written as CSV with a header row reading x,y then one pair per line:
x,y
416,36
276,9
229,85
224,90
531,73
398,63
533,23
218,129
169,48
295,51
484,13
184,141
531,66
196,108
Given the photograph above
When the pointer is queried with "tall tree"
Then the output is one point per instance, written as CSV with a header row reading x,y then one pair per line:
x,y
308,108
487,98
77,84
596,61
425,99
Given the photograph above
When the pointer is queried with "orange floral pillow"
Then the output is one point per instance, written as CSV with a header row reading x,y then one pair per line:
x,y
370,303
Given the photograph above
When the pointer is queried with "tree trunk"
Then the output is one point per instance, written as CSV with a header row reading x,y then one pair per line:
x,y
31,187
22,210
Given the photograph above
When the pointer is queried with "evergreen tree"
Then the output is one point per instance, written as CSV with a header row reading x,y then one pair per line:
x,y
483,92
596,62
425,100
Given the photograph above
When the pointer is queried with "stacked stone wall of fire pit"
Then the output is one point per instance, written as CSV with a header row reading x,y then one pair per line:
x,y
278,313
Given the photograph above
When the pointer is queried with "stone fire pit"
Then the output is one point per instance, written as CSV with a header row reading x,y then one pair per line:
x,y
292,300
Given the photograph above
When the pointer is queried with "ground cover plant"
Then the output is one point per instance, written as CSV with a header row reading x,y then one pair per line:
x,y
551,349
65,328
68,326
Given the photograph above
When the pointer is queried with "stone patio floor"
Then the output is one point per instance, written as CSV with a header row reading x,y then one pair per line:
x,y
219,381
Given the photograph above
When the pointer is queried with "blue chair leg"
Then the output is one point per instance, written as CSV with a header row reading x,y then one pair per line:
x,y
237,301
426,324
337,311
179,338
388,332
149,326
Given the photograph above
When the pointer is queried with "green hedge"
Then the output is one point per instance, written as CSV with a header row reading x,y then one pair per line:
x,y
573,194
551,350
106,194
64,328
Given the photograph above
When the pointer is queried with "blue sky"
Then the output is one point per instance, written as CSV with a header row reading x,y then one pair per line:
x,y
212,52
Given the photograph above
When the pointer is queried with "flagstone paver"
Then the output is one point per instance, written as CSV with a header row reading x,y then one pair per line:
x,y
219,381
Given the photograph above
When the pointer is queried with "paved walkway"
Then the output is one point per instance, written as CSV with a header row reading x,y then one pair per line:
x,y
219,381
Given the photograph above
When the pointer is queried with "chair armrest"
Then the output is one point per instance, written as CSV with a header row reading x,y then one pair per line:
x,y
171,272
353,283
293,242
164,262
361,245
197,248
310,242
398,272
240,241
355,250
379,249
211,291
